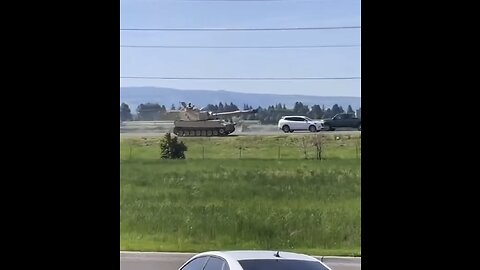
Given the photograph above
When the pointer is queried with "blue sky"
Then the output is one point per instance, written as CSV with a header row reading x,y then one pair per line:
x,y
175,62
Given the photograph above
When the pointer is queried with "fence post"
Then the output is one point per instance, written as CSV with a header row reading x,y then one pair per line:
x,y
304,145
319,147
203,152
356,149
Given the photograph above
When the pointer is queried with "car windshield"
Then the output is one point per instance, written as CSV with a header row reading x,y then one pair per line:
x,y
269,264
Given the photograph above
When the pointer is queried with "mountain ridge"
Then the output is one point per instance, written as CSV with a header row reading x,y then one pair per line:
x,y
134,96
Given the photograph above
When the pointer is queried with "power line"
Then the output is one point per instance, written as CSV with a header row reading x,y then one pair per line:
x,y
242,29
239,78
237,0
230,0
238,47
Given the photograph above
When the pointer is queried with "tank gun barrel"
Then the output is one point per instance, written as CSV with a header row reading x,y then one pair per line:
x,y
235,112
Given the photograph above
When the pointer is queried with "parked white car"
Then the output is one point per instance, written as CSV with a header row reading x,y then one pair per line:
x,y
253,260
293,123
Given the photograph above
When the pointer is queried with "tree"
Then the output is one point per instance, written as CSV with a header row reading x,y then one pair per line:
x,y
337,109
220,107
297,106
172,107
350,110
226,107
125,113
300,109
233,107
171,148
149,111
328,113
211,108
316,112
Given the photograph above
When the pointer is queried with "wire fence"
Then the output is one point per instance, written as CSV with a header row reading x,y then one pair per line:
x,y
306,147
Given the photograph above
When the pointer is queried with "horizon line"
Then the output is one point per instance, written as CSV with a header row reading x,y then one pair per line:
x,y
234,91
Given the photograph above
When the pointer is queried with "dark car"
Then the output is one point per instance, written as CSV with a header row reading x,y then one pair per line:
x,y
342,120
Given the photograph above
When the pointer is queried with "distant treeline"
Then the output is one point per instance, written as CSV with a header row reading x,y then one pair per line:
x,y
269,115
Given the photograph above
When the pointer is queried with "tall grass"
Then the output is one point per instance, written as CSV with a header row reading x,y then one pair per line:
x,y
258,147
231,203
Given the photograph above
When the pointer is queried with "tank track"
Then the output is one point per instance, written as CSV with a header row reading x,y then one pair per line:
x,y
196,132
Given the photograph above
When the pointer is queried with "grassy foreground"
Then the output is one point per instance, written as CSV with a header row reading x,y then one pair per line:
x,y
223,199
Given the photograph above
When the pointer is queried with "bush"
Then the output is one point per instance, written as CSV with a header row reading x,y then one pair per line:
x,y
171,148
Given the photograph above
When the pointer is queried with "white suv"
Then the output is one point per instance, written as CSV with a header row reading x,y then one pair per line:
x,y
294,122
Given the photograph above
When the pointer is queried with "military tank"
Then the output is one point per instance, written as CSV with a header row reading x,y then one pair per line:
x,y
194,122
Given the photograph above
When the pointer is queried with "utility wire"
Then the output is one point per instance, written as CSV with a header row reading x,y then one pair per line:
x,y
238,78
238,47
242,29
248,0
238,0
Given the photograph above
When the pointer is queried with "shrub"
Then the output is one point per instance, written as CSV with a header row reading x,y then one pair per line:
x,y
171,148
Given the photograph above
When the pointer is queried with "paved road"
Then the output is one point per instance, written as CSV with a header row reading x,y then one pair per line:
x,y
159,128
259,133
172,261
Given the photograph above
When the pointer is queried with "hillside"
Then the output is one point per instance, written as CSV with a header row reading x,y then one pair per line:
x,y
134,96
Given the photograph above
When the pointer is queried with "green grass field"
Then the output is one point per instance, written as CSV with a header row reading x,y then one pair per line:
x,y
219,198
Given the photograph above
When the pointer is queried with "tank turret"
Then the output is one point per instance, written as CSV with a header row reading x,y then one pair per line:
x,y
194,122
